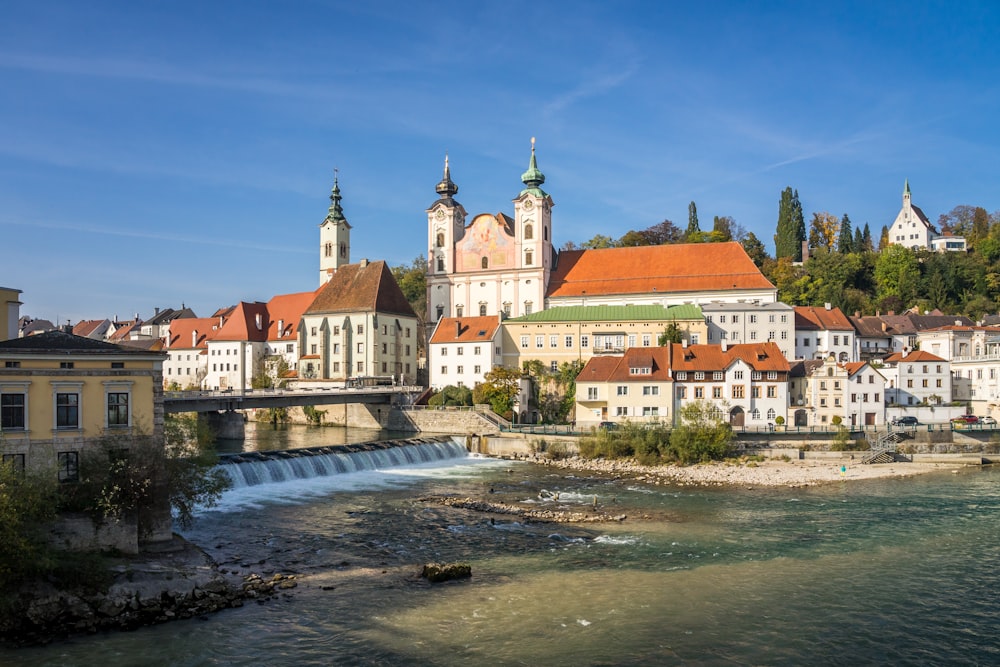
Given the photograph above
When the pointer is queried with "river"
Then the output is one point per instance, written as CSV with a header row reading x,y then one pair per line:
x,y
889,571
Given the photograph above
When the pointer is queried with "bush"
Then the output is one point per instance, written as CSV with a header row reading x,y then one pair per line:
x,y
701,435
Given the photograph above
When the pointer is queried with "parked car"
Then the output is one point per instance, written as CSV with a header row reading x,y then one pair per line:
x,y
608,426
965,419
987,421
905,420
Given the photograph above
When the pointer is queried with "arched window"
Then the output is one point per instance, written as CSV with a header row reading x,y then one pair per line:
x,y
528,258
343,249
529,233
486,262
328,250
770,414
755,414
829,372
482,310
440,240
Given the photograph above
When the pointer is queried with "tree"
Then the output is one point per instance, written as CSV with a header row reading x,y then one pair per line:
x,y
499,389
701,435
632,239
451,396
27,505
723,226
859,240
412,280
663,233
883,239
845,242
980,226
693,232
957,221
671,334
897,274
599,241
866,240
791,230
755,249
823,230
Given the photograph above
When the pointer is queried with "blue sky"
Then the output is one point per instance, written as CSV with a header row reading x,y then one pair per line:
x,y
154,153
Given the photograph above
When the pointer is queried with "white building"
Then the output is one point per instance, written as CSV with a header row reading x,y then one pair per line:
x,y
820,332
915,378
913,230
743,322
461,350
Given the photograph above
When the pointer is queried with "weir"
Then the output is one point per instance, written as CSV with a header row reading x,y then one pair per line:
x,y
254,468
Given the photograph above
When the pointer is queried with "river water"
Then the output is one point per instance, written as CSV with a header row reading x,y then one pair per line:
x,y
903,571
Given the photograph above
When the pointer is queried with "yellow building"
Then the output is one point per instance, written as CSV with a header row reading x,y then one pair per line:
x,y
10,312
59,393
577,333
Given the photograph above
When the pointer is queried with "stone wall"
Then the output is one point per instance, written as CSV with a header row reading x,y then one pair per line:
x,y
77,532
440,421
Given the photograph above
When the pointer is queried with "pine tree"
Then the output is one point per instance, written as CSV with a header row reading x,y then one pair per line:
x,y
866,240
845,244
754,247
859,241
693,232
883,239
791,230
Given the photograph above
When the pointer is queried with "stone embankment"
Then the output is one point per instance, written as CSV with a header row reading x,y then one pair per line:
x,y
748,473
153,589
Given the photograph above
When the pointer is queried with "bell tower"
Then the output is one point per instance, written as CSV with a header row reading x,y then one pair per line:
x,y
334,237
533,230
445,227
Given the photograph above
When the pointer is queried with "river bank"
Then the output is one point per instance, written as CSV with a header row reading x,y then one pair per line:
x,y
749,473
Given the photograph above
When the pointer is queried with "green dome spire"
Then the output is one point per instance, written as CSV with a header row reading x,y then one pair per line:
x,y
533,178
335,213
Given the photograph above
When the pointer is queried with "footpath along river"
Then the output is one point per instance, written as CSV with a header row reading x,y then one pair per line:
x,y
888,571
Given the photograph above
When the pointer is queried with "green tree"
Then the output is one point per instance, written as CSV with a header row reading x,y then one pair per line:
x,y
723,226
823,230
632,239
755,249
412,280
791,230
671,334
980,226
27,505
897,274
599,241
451,396
693,232
700,435
883,239
866,240
845,241
499,389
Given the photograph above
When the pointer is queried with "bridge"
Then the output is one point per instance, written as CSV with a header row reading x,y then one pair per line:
x,y
219,407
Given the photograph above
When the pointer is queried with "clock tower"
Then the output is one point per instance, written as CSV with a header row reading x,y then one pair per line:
x,y
334,237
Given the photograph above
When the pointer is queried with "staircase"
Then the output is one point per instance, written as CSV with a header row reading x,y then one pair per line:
x,y
883,450
492,418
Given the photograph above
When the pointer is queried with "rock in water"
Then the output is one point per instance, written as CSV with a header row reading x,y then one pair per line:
x,y
436,572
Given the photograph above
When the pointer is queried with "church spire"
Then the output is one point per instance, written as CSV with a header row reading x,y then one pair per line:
x,y
906,187
446,188
533,178
336,213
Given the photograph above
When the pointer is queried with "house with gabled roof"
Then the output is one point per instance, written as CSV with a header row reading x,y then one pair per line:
x,y
635,386
96,329
237,349
912,229
461,350
187,351
916,378
820,332
358,325
284,317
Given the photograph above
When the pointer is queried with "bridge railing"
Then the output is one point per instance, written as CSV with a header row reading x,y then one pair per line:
x,y
301,391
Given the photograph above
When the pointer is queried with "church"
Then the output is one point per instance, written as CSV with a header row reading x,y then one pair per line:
x,y
498,264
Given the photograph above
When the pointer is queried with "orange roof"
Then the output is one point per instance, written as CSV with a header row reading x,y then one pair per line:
x,y
618,369
122,332
759,356
366,286
916,355
685,267
181,332
287,309
813,318
248,321
852,367
465,329
86,327
598,369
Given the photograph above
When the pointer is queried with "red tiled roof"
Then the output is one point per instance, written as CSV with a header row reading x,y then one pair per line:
x,y
759,356
243,323
122,332
813,318
287,309
691,267
853,367
361,287
916,355
181,331
465,329
86,327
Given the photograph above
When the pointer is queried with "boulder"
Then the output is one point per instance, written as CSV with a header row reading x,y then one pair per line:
x,y
437,572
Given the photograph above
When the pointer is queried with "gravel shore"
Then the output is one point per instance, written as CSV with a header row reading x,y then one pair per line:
x,y
770,473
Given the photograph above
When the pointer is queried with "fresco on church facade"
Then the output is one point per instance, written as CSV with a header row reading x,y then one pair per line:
x,y
486,245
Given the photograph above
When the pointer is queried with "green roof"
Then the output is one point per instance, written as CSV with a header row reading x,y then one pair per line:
x,y
611,313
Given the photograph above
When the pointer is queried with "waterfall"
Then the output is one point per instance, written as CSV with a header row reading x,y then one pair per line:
x,y
253,468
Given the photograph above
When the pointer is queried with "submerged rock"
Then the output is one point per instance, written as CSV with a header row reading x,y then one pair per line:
x,y
437,572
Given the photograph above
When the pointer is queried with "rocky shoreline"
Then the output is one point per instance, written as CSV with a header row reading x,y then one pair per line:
x,y
154,588
747,472
541,515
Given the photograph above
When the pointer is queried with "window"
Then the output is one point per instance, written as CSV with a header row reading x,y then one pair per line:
x,y
528,258
527,308
361,348
771,413
716,392
631,340
718,376
822,386
772,375
361,367
682,392
554,366
651,390
854,398
459,311
871,379
753,335
755,414
699,392
647,340
117,364
591,393
67,411
477,350
506,308
585,342
539,341
528,232
699,375
460,350
753,319
569,341
361,329
836,401
69,466
482,310
621,411
524,341
939,382
118,409
822,402
12,413
485,262
444,352
770,335
682,376
553,341
460,370
722,319
12,364
784,335
15,461
385,349
836,340
924,383
648,411
864,397
772,391
623,390
65,364
336,348
313,349
738,391
289,348
477,369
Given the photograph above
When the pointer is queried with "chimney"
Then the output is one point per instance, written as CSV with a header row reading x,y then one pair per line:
x,y
958,323
857,313
684,343
906,351
885,327
458,328
259,321
281,328
828,306
363,263
724,345
891,313
156,310
194,338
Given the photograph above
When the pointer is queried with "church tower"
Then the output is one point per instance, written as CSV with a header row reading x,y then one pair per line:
x,y
445,226
533,229
334,237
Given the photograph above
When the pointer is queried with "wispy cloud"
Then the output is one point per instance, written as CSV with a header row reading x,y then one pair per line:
x,y
152,236
592,87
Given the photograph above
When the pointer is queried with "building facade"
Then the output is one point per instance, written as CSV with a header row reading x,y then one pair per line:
x,y
462,350
751,322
